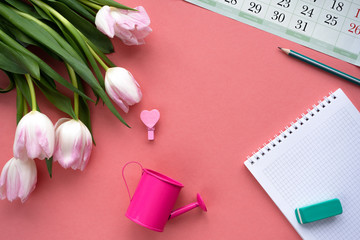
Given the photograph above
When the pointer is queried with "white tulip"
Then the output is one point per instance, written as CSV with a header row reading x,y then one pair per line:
x,y
34,137
18,179
121,86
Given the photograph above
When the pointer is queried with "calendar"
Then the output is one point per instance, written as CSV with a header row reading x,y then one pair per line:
x,y
329,26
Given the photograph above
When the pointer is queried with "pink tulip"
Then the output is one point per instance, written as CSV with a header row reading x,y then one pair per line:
x,y
130,26
34,137
18,179
122,87
73,144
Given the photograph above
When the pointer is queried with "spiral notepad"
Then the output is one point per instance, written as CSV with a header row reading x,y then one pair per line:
x,y
317,158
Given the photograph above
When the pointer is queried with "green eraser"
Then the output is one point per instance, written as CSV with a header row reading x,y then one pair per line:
x,y
318,211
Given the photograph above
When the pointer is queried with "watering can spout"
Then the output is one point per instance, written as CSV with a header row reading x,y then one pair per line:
x,y
199,203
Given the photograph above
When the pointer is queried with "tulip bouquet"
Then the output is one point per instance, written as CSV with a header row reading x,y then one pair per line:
x,y
75,33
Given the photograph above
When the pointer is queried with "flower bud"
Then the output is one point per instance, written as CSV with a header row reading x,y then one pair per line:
x,y
121,86
128,25
34,137
18,179
73,144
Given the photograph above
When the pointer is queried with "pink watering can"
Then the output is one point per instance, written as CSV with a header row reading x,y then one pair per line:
x,y
154,198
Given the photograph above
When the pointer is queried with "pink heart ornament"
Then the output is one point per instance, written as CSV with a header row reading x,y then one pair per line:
x,y
150,118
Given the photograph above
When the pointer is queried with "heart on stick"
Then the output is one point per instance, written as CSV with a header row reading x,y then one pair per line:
x,y
150,118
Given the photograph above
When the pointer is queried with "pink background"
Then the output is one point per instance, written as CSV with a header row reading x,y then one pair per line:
x,y
223,89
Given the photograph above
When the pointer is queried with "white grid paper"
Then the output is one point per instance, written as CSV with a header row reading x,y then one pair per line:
x,y
317,162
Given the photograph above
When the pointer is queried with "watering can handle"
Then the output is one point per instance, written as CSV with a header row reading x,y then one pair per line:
x,y
123,170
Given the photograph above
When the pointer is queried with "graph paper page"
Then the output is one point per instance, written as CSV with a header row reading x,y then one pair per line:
x,y
317,161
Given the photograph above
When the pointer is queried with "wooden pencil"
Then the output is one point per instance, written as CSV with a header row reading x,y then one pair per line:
x,y
320,65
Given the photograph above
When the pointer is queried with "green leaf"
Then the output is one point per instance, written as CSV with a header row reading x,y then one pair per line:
x,y
49,81
41,13
41,35
79,8
84,26
10,66
69,39
51,42
67,28
89,9
13,32
38,31
60,101
43,66
26,8
10,86
112,4
81,69
20,36
84,111
101,54
49,163
23,62
19,105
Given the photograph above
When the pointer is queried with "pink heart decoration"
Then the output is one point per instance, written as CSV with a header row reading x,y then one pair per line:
x,y
150,118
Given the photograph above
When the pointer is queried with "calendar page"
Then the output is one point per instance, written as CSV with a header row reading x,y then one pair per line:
x,y
329,26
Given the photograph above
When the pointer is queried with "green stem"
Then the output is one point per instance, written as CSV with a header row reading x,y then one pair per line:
x,y
32,91
75,32
74,82
51,31
90,4
25,110
102,63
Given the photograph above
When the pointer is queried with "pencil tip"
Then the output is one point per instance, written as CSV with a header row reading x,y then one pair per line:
x,y
287,51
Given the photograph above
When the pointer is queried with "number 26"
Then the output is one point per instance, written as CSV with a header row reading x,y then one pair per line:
x,y
354,28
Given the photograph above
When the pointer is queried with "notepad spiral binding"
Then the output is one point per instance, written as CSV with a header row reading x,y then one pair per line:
x,y
278,139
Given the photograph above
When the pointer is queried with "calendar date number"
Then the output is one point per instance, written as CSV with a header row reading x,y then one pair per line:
x,y
232,2
354,28
255,8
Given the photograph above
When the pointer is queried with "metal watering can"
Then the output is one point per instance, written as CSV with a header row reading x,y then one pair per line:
x,y
154,198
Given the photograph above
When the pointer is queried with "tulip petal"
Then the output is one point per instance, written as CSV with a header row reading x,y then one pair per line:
x,y
34,137
66,134
31,142
116,98
141,16
77,152
12,182
128,91
43,143
86,148
125,35
3,178
28,178
122,87
130,26
19,143
61,121
18,179
71,139
105,22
